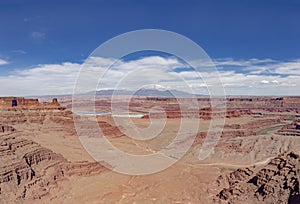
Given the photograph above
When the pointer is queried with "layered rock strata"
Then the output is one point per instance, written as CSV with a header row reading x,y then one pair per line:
x,y
276,182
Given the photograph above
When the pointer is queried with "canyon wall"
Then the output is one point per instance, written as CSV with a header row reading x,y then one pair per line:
x,y
25,103
28,171
275,182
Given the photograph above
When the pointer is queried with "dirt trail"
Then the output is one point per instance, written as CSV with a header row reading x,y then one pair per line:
x,y
264,162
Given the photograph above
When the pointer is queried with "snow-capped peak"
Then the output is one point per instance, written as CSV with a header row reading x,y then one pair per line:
x,y
155,86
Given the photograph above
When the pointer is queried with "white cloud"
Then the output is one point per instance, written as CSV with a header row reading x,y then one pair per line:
x,y
60,78
243,63
41,80
264,82
290,68
270,67
3,62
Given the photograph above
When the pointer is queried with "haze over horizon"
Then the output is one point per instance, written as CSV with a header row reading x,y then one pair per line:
x,y
254,46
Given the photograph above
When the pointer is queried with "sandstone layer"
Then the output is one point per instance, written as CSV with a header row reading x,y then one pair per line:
x,y
43,161
276,182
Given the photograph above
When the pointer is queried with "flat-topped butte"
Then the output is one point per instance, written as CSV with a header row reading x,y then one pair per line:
x,y
27,103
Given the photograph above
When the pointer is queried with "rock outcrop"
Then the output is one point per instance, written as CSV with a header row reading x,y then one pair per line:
x,y
272,104
204,113
29,171
276,182
292,129
26,168
23,116
16,103
6,128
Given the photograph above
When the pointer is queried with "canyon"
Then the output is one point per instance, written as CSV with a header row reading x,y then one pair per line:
x,y
255,159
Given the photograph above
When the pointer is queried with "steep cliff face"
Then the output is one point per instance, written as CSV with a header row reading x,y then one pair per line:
x,y
276,182
293,102
267,103
16,103
21,116
26,168
29,171
292,129
204,113
6,128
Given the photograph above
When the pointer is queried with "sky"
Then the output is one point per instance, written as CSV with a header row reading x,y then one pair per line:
x,y
254,44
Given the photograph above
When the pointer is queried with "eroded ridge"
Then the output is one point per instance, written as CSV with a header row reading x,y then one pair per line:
x,y
276,182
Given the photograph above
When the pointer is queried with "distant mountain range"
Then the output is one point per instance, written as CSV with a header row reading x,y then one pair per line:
x,y
151,92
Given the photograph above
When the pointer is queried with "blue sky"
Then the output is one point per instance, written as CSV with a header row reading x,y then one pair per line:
x,y
41,33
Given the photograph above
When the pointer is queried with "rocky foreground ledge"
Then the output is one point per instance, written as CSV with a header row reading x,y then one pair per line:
x,y
28,171
276,182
